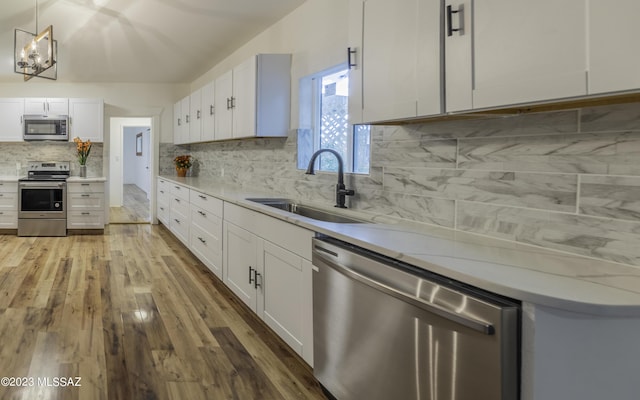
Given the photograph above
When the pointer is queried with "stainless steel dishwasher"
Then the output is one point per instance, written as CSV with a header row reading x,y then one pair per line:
x,y
387,330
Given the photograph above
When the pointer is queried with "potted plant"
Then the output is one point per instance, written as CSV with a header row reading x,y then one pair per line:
x,y
83,149
183,163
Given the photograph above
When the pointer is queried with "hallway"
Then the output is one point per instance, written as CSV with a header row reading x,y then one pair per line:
x,y
135,207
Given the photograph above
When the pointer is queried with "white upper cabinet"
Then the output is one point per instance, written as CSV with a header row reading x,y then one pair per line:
x,y
46,106
528,51
243,101
11,111
208,106
254,99
86,119
224,112
181,119
354,60
614,62
195,116
401,63
523,51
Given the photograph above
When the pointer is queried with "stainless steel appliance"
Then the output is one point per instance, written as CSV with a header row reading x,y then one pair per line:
x,y
42,198
387,330
52,127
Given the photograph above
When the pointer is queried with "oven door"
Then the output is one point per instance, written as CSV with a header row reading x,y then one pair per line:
x,y
42,199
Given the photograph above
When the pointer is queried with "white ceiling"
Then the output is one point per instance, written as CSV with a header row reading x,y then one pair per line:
x,y
169,41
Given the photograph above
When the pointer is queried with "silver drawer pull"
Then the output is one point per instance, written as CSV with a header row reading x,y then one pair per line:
x,y
202,197
86,195
178,200
85,184
86,213
202,240
201,213
177,220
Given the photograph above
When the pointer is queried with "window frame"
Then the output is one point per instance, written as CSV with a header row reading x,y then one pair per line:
x,y
310,115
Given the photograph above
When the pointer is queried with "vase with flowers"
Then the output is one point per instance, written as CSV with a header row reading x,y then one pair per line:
x,y
183,163
83,149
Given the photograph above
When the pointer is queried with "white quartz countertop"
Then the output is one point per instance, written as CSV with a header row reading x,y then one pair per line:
x,y
527,273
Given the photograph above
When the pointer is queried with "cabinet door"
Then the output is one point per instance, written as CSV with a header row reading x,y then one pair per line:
x,y
224,112
614,63
195,116
11,111
208,112
86,119
527,51
401,62
177,122
240,260
244,99
185,128
287,296
58,106
458,51
35,106
356,18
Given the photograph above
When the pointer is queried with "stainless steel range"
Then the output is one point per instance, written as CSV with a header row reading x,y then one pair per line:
x,y
42,197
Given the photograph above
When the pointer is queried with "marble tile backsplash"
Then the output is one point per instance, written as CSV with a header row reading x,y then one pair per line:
x,y
566,180
16,155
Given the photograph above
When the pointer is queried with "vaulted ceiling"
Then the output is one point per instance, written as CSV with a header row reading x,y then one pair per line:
x,y
169,41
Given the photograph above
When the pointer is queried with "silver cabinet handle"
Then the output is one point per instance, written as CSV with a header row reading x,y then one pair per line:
x,y
450,12
86,195
211,108
201,213
179,122
202,197
351,63
186,118
202,240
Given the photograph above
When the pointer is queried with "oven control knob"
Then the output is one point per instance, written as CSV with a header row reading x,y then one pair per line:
x,y
56,205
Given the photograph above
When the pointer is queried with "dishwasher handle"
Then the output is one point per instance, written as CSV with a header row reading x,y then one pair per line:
x,y
479,326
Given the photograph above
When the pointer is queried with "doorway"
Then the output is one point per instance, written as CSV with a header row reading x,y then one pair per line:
x,y
131,171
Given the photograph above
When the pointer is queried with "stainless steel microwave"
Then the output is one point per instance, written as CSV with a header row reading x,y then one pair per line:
x,y
52,127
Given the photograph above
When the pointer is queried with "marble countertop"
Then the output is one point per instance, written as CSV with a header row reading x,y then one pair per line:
x,y
527,273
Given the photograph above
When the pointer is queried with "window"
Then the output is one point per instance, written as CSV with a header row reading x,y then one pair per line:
x,y
324,105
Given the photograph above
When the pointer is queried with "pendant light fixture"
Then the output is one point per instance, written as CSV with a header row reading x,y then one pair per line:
x,y
35,54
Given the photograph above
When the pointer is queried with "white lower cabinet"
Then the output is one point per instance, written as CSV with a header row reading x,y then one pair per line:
x,y
179,212
206,230
8,205
85,208
267,264
163,199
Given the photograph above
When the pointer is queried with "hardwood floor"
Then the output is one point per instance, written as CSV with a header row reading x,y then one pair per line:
x,y
135,207
135,316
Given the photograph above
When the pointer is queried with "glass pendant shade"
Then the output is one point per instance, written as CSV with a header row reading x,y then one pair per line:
x,y
36,54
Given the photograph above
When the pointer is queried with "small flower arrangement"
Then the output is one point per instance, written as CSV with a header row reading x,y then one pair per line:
x,y
83,148
182,162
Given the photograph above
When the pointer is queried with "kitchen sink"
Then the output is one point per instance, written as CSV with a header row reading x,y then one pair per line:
x,y
303,210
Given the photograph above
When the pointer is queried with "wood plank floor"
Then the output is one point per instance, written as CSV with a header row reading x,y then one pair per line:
x,y
135,316
135,207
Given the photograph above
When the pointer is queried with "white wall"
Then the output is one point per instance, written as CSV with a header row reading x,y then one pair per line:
x,y
315,33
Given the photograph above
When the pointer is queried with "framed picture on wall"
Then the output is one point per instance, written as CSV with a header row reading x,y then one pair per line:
x,y
139,144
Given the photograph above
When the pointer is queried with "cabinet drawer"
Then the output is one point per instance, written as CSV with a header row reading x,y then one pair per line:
x,y
9,187
179,225
208,248
179,205
179,191
85,187
163,212
206,221
206,202
85,220
86,201
8,201
8,219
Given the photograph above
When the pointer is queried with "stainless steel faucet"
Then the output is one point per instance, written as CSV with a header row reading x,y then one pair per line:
x,y
341,190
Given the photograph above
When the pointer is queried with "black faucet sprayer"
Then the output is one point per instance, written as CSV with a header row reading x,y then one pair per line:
x,y
341,190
